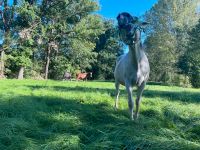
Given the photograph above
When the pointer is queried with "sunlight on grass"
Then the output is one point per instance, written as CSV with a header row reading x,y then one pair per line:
x,y
80,115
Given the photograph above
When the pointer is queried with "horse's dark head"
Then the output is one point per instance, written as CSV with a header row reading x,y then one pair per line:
x,y
125,19
130,28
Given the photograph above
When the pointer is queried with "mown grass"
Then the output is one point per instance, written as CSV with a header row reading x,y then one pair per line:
x,y
53,115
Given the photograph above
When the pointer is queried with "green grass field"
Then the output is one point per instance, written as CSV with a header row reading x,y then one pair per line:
x,y
57,115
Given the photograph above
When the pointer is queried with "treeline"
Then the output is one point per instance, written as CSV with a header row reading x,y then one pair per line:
x,y
44,38
172,42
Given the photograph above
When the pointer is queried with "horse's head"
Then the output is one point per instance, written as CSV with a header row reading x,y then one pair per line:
x,y
130,28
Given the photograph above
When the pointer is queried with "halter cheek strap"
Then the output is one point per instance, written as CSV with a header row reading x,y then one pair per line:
x,y
132,35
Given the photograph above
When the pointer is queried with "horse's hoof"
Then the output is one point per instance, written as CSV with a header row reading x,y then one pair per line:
x,y
135,117
115,108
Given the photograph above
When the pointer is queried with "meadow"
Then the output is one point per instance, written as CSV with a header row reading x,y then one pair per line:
x,y
59,115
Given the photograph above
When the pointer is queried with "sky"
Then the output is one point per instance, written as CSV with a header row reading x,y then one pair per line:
x,y
111,8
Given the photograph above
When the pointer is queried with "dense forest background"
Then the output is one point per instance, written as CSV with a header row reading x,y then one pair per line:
x,y
42,39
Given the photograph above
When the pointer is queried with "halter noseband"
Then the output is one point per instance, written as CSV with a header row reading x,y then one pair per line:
x,y
128,28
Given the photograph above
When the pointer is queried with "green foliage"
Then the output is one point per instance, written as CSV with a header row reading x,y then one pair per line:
x,y
162,57
73,29
20,56
190,62
82,46
80,115
66,35
170,21
59,31
59,66
108,48
21,49
89,28
26,15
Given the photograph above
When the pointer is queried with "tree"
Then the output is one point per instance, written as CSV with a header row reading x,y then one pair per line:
x,y
18,20
25,23
6,22
70,27
170,21
108,48
190,62
161,56
49,33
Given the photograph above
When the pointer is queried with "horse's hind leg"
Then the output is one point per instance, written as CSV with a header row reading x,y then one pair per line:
x,y
139,98
117,94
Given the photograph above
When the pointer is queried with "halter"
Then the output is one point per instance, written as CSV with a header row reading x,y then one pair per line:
x,y
129,27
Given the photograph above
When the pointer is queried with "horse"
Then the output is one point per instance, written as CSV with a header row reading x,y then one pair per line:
x,y
132,69
67,76
84,76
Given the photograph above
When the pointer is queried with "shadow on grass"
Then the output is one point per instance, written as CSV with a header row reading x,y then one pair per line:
x,y
183,96
55,123
42,122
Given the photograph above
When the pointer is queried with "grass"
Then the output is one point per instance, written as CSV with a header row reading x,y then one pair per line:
x,y
53,115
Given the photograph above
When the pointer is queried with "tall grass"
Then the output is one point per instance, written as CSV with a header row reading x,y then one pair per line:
x,y
53,115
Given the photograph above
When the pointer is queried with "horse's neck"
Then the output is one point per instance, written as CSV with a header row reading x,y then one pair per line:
x,y
135,53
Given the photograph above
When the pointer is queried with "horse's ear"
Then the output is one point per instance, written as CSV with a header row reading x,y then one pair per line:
x,y
119,16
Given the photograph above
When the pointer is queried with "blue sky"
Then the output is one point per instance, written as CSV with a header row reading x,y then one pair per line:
x,y
111,8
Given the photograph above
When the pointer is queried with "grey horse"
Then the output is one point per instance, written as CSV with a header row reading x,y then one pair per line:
x,y
132,69
67,76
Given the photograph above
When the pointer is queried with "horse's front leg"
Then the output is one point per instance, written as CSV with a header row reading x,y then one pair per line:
x,y
130,99
139,98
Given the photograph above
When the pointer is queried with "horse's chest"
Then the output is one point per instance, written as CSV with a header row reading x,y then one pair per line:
x,y
131,76
134,77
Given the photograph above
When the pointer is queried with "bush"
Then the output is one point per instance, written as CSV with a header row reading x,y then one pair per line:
x,y
195,79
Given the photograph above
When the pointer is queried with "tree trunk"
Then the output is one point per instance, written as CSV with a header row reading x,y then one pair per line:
x,y
21,73
2,64
47,62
